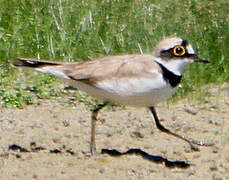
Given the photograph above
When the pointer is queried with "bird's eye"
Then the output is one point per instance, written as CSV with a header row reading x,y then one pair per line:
x,y
179,50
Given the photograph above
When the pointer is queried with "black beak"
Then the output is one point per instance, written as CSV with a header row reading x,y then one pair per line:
x,y
200,59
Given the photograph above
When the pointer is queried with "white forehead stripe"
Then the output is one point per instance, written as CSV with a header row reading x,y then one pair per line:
x,y
190,49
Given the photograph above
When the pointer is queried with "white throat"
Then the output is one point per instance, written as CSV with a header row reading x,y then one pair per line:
x,y
175,66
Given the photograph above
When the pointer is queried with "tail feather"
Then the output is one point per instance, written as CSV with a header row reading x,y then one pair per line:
x,y
49,67
34,63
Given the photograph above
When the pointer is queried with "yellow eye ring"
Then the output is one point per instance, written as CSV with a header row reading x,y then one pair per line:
x,y
179,50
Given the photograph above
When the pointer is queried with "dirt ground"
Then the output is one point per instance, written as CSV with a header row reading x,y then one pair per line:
x,y
51,141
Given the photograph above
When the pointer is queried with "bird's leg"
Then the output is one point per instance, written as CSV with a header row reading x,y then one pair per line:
x,y
93,124
165,130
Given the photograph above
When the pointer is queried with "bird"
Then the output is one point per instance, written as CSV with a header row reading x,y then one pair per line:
x,y
139,80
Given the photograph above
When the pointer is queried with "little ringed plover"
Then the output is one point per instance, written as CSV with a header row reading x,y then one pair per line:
x,y
141,80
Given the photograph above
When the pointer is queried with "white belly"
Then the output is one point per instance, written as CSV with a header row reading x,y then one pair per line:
x,y
139,93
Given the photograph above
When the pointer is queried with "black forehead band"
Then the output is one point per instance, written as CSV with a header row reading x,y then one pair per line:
x,y
184,43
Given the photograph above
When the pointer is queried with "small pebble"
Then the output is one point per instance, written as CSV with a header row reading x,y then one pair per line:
x,y
210,121
32,144
138,134
18,156
213,167
108,134
215,149
190,111
35,176
206,101
66,123
56,140
102,170
213,107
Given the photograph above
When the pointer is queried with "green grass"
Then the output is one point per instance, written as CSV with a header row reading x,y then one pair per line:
x,y
70,30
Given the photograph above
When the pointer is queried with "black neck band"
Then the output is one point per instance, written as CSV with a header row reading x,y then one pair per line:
x,y
169,76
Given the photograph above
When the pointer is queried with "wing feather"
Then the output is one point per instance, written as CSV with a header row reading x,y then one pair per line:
x,y
113,67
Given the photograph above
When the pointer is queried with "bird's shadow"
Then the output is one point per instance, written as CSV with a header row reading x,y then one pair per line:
x,y
111,152
145,155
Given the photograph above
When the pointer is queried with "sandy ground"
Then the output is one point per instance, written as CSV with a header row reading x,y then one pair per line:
x,y
55,137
